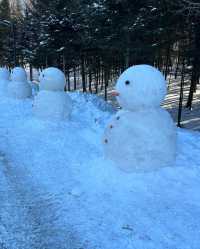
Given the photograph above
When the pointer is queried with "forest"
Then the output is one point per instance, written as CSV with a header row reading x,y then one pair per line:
x,y
97,40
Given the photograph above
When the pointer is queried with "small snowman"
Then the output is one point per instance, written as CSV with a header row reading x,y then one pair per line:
x,y
19,87
142,136
4,79
52,102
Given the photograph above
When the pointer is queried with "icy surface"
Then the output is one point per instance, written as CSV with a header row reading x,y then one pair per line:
x,y
147,140
141,86
52,105
58,191
52,79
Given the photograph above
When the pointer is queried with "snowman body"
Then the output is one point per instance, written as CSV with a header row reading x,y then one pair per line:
x,y
142,137
19,88
4,80
52,103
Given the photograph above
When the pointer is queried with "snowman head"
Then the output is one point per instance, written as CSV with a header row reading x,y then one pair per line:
x,y
4,74
18,74
140,86
52,79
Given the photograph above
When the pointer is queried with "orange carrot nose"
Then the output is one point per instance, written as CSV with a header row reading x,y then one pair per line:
x,y
114,93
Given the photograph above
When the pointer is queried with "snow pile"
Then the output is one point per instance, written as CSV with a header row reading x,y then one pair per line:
x,y
76,196
19,88
145,132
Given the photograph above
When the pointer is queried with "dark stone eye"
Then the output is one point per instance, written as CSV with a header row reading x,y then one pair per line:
x,y
127,82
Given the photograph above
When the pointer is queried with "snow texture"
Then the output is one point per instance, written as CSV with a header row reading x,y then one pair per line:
x,y
141,138
52,105
58,191
52,79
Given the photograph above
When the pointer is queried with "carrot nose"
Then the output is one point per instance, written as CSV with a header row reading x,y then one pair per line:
x,y
114,93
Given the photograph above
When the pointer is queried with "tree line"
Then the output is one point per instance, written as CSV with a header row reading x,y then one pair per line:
x,y
97,40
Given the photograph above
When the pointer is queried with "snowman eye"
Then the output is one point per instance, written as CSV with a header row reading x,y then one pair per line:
x,y
127,82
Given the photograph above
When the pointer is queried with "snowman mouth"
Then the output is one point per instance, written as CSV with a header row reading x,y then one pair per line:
x,y
114,93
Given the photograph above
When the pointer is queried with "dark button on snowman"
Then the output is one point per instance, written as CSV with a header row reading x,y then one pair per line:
x,y
142,136
52,102
19,87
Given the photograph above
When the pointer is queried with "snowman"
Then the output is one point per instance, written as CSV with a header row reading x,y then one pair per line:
x,y
142,136
52,102
19,87
4,79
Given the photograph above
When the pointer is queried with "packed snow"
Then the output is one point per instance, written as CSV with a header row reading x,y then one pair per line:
x,y
144,131
58,191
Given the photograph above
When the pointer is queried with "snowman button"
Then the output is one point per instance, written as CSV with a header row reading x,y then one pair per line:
x,y
111,126
127,82
106,141
118,118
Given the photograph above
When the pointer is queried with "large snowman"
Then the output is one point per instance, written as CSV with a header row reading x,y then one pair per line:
x,y
19,87
142,136
4,79
52,102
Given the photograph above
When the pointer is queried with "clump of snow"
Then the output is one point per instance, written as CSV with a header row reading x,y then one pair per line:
x,y
142,137
52,79
141,86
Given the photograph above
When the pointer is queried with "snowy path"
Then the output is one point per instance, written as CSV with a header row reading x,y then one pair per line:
x,y
57,190
28,215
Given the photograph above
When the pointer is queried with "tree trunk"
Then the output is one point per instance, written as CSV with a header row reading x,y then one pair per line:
x,y
83,74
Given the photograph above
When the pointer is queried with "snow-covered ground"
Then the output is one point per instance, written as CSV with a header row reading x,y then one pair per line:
x,y
58,191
